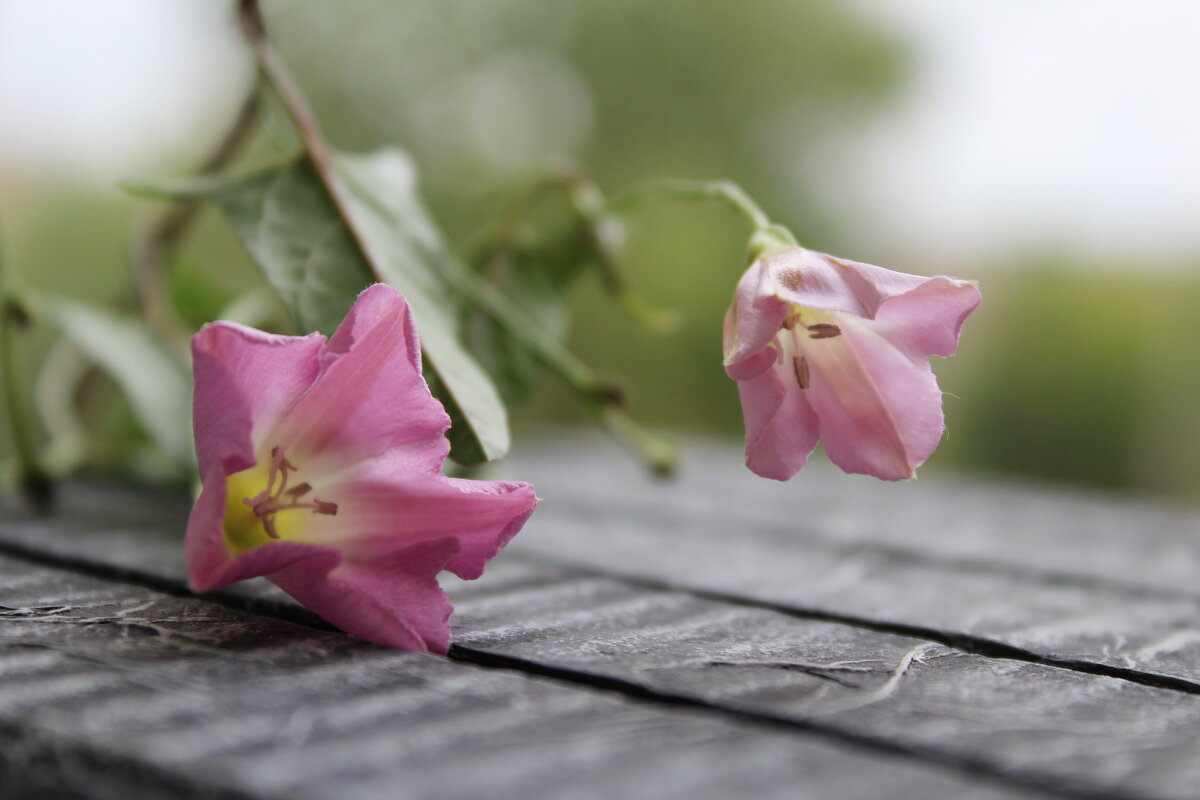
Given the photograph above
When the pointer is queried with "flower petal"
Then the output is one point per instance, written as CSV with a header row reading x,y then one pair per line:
x,y
816,280
754,365
394,601
381,512
371,397
927,320
369,309
753,319
880,411
245,381
781,426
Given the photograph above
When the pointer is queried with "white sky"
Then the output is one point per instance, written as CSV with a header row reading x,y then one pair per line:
x,y
1034,124
93,89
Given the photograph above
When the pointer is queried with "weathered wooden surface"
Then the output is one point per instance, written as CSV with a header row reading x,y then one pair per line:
x,y
717,636
116,691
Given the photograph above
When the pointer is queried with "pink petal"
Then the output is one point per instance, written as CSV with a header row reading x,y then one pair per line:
x,y
781,426
380,513
393,600
371,397
245,381
927,320
815,280
754,365
753,319
372,305
880,411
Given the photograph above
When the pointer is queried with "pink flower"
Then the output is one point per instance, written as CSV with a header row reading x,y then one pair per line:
x,y
828,349
320,462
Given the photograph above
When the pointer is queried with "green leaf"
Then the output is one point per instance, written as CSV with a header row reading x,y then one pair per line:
x,y
408,252
156,384
295,235
318,255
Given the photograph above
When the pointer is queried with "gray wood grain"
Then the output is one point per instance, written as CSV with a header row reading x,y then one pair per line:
x,y
114,691
1007,565
1072,575
1040,723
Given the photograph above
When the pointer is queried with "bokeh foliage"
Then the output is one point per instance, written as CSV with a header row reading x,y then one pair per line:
x,y
1070,371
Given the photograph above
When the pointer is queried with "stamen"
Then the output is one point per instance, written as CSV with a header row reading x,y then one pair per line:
x,y
800,367
266,504
823,330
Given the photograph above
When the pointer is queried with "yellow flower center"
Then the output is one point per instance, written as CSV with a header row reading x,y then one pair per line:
x,y
258,501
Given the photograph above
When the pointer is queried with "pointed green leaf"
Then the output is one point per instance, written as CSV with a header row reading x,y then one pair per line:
x,y
285,218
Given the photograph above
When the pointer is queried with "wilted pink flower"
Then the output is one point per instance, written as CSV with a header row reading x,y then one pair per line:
x,y
320,462
828,349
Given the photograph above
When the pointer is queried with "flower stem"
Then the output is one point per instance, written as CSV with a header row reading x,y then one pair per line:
x,y
659,453
35,482
280,78
695,191
590,209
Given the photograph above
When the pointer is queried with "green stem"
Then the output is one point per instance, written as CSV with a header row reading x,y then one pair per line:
x,y
280,77
696,191
35,482
590,204
659,453
590,207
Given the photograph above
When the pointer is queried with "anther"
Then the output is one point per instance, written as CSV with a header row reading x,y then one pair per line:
x,y
299,491
800,367
823,330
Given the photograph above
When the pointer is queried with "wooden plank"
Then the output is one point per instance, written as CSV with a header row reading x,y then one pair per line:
x,y
1021,723
116,691
1057,532
1068,575
1038,723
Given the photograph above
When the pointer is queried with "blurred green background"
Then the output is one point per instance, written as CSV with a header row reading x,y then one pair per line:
x,y
1079,367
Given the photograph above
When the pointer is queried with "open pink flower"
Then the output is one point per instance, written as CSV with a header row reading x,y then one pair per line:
x,y
833,350
320,462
